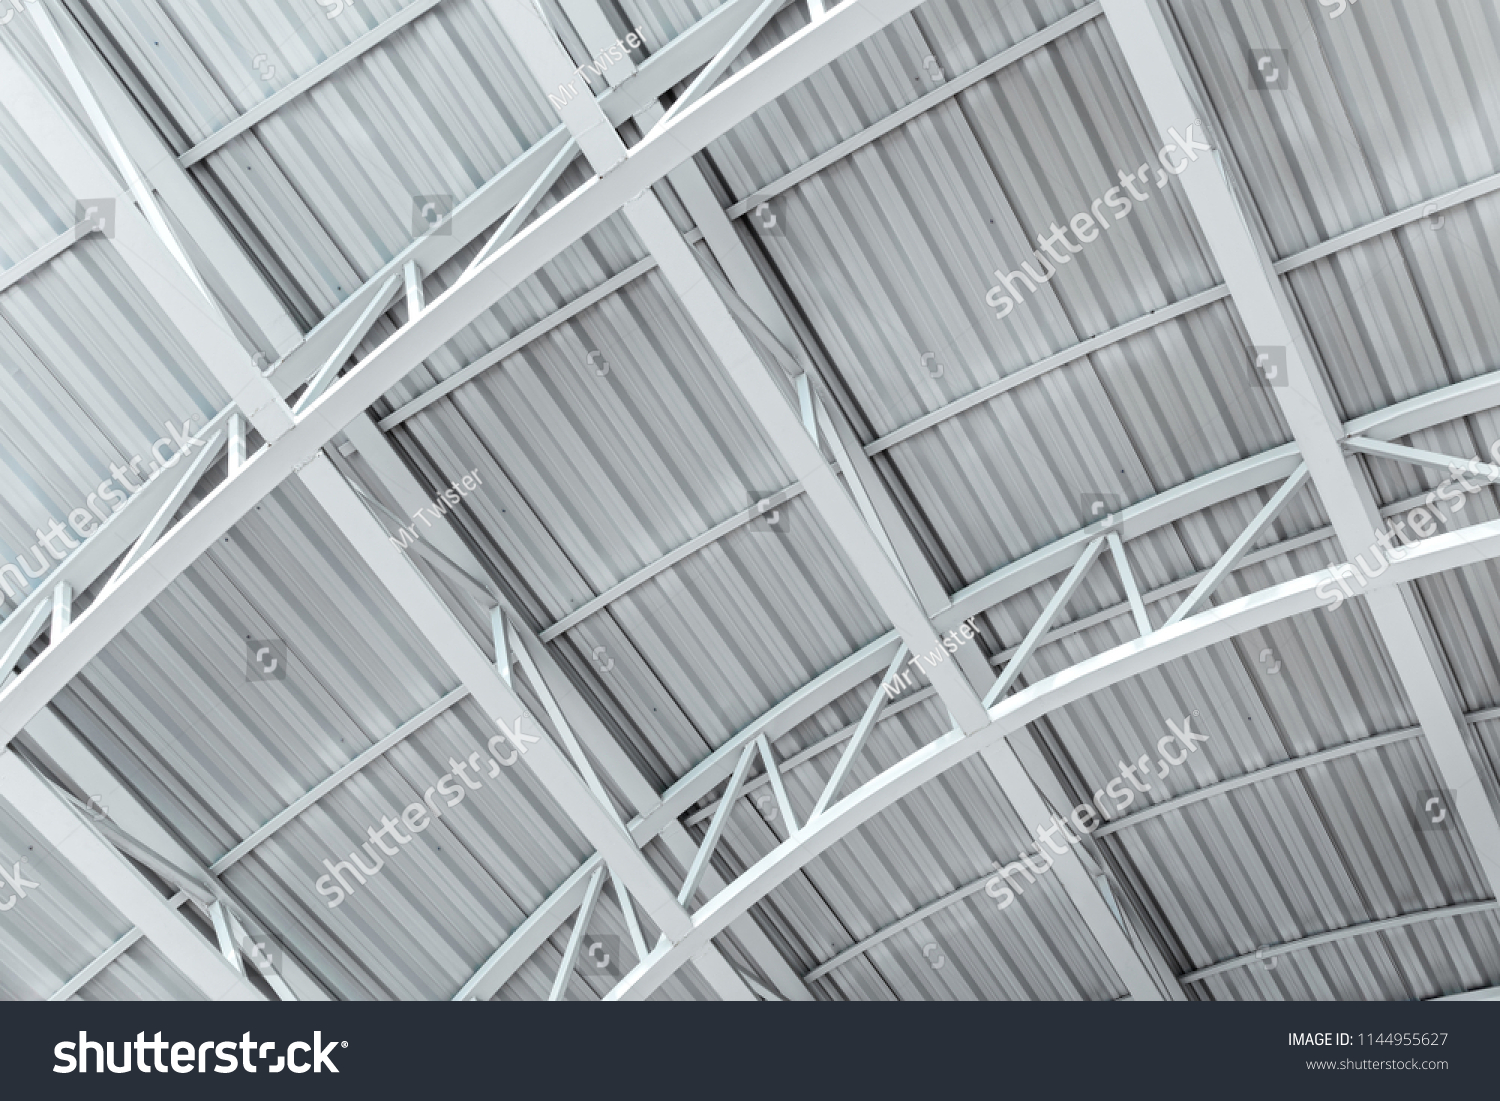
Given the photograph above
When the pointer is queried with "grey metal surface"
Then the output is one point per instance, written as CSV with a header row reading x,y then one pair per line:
x,y
616,437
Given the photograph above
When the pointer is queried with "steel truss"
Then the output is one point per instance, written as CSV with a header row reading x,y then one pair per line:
x,y
295,440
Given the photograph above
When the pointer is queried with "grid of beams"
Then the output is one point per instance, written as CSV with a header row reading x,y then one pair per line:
x,y
1250,279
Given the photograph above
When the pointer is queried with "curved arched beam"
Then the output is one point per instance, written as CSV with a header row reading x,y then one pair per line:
x,y
569,221
1424,411
1334,936
1413,415
1281,768
675,62
1445,552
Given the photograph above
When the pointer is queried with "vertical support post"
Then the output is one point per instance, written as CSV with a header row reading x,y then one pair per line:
x,y
575,940
236,443
416,299
225,936
773,772
632,923
1127,579
62,609
503,657
808,409
861,734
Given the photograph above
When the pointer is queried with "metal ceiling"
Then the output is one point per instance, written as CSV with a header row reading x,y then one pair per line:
x,y
657,565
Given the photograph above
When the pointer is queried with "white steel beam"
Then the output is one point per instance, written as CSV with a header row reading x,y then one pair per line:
x,y
1486,994
736,99
528,202
315,793
1128,583
715,828
682,271
168,508
954,897
225,936
235,443
120,884
595,820
856,524
575,939
1471,545
723,59
1043,624
310,79
143,238
97,965
416,296
1236,550
846,759
374,307
1145,39
1335,936
773,777
1414,456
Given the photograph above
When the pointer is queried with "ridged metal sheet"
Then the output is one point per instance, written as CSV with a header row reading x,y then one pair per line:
x,y
941,837
141,974
888,255
994,484
1385,108
889,275
1446,956
61,924
93,376
1334,845
170,705
1409,311
621,466
436,109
